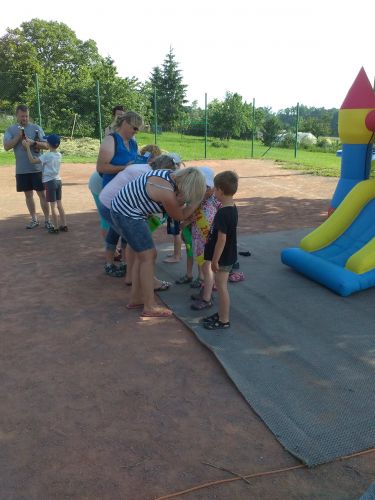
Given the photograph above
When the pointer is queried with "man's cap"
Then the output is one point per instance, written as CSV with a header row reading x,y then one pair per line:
x,y
53,140
209,175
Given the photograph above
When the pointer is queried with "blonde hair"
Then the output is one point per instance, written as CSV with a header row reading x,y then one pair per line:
x,y
153,149
130,117
163,162
191,184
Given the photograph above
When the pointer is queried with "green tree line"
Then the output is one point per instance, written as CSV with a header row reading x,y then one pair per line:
x,y
68,70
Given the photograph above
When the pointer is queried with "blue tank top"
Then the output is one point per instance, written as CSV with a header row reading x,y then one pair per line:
x,y
122,155
133,200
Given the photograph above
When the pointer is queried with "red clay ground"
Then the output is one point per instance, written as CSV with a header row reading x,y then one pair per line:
x,y
98,404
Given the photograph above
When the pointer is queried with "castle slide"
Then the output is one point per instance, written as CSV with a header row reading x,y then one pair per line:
x,y
340,254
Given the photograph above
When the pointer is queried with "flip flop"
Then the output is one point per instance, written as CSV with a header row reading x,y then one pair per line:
x,y
133,306
163,313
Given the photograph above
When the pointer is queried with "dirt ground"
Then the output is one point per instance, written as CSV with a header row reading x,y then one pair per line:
x,y
99,404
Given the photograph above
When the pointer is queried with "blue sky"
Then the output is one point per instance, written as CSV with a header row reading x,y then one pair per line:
x,y
278,52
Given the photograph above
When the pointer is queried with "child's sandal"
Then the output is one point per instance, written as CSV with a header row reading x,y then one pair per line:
x,y
211,319
183,280
197,283
216,325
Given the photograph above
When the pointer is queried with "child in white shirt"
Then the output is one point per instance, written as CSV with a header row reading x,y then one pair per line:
x,y
51,162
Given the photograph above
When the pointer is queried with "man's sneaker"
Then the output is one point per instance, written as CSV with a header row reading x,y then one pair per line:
x,y
115,272
48,224
52,230
32,224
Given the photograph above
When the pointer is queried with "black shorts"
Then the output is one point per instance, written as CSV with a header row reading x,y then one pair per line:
x,y
53,190
29,182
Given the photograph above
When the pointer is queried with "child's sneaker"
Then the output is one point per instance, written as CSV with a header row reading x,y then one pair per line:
x,y
32,224
113,271
48,224
64,229
52,230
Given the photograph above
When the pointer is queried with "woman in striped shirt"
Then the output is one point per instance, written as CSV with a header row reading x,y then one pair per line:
x,y
176,193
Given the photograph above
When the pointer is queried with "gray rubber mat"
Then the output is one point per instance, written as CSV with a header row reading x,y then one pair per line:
x,y
302,357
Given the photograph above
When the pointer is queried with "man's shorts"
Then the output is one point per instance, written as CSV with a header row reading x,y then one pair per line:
x,y
53,190
29,182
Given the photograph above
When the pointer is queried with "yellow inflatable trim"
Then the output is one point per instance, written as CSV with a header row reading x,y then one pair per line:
x,y
341,218
363,260
352,127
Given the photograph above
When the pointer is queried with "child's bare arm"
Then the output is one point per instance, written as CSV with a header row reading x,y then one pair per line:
x,y
32,159
219,247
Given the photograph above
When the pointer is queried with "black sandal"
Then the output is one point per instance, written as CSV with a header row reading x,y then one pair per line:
x,y
211,319
216,325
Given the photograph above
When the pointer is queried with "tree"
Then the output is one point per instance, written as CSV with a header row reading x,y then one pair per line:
x,y
270,130
228,118
318,127
171,92
68,69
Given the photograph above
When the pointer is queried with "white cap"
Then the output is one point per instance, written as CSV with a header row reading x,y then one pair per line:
x,y
175,157
209,175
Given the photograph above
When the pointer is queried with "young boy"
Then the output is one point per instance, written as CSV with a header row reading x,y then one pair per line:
x,y
51,179
221,246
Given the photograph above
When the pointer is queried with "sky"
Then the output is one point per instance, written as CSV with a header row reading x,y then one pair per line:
x,y
278,52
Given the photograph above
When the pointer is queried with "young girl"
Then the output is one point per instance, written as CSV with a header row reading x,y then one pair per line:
x,y
201,222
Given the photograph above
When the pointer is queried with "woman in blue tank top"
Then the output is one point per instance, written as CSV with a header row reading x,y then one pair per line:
x,y
178,194
117,150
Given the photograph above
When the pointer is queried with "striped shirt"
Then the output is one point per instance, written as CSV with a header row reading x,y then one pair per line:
x,y
133,200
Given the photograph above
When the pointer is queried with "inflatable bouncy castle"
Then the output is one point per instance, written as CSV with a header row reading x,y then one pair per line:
x,y
340,254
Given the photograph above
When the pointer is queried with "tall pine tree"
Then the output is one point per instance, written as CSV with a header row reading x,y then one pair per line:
x,y
171,92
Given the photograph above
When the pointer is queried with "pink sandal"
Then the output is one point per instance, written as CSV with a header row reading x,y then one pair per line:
x,y
235,277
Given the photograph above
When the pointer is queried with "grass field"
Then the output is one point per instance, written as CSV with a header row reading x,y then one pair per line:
x,y
193,148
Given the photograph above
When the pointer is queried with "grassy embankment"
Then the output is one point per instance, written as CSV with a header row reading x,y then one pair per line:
x,y
192,148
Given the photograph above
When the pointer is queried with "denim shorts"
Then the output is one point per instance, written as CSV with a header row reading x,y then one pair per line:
x,y
104,224
135,231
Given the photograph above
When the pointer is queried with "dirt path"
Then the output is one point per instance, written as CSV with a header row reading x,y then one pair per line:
x,y
98,404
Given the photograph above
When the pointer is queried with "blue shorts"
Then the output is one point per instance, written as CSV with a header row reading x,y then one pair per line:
x,y
135,231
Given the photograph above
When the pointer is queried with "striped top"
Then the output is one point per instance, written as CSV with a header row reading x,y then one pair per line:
x,y
134,202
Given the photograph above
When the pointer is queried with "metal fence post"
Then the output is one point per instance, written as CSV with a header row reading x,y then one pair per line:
x,y
38,99
99,110
155,118
296,137
253,130
205,125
